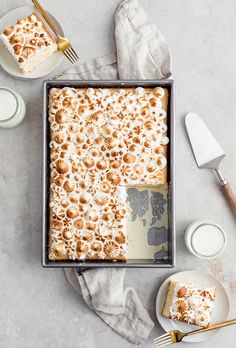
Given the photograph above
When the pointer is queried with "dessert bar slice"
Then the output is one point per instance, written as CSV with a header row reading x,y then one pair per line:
x,y
29,42
189,303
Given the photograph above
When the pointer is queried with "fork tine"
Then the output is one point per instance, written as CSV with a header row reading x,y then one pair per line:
x,y
76,55
72,52
163,344
161,340
160,337
68,56
64,52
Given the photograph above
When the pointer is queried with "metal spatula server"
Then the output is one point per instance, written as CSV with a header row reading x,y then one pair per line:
x,y
207,152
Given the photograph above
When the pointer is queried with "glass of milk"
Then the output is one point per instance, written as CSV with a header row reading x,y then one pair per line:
x,y
12,108
205,240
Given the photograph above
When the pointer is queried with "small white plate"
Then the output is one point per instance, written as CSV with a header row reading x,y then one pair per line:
x,y
7,61
220,312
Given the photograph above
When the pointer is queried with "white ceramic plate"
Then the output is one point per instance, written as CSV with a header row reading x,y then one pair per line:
x,y
219,313
7,61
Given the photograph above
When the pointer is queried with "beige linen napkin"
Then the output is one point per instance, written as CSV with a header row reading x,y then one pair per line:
x,y
103,291
142,53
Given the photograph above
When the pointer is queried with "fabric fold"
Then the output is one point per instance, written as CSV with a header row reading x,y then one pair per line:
x,y
103,291
139,42
100,68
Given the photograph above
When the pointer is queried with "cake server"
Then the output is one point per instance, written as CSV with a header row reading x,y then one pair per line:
x,y
207,152
176,336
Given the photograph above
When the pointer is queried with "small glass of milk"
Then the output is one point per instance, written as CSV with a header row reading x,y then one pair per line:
x,y
205,239
12,108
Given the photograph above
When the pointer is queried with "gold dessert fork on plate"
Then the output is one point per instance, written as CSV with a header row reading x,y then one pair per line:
x,y
176,336
64,44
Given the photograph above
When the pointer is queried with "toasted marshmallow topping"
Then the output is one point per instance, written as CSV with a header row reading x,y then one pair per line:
x,y
189,303
28,39
101,141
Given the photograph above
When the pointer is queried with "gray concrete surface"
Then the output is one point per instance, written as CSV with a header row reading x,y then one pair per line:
x,y
38,309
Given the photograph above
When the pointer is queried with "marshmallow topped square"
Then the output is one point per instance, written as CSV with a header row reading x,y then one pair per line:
x,y
189,303
29,42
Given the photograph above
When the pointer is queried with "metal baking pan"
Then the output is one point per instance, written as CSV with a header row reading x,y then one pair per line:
x,y
169,260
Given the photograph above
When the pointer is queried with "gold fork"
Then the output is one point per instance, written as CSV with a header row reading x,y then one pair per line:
x,y
64,44
176,336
